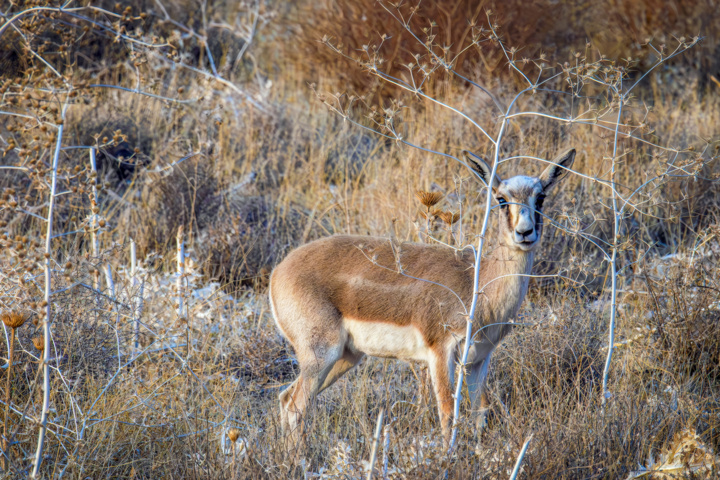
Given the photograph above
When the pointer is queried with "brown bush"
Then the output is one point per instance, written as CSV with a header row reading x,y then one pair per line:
x,y
617,29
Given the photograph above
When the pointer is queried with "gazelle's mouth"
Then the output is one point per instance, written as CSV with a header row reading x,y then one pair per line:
x,y
526,245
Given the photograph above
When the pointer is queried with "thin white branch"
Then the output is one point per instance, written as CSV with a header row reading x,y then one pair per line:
x,y
48,289
376,442
518,462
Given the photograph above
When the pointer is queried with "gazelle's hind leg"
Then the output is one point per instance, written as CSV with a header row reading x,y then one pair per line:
x,y
341,366
313,326
314,369
346,363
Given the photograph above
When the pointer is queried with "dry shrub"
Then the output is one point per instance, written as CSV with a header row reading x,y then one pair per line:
x,y
574,366
618,29
682,305
684,455
247,236
187,195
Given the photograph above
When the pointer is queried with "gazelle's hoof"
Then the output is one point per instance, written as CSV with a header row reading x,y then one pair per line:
x,y
482,420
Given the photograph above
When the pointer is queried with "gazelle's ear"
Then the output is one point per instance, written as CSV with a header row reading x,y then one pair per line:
x,y
553,173
481,168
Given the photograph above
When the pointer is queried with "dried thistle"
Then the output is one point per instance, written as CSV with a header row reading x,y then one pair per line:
x,y
14,319
233,434
38,343
430,215
686,453
428,199
449,217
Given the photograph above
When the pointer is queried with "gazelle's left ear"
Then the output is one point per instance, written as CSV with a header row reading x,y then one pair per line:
x,y
553,173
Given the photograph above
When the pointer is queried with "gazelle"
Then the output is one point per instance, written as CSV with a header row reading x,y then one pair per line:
x,y
340,298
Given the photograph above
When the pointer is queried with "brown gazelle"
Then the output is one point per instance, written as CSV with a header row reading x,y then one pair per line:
x,y
342,297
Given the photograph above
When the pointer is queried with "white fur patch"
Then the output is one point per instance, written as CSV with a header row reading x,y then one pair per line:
x,y
272,309
521,181
380,339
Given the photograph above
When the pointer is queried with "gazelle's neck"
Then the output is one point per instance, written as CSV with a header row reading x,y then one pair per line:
x,y
504,282
507,278
512,260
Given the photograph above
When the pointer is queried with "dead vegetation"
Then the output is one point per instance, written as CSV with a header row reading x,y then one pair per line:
x,y
250,163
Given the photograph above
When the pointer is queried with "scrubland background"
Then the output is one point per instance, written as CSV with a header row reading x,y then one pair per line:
x,y
220,128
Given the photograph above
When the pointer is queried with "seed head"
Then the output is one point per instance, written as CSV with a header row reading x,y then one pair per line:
x,y
449,217
39,343
14,319
233,434
429,215
428,198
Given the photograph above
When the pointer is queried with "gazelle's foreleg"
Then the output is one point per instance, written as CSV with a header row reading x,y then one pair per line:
x,y
477,382
442,373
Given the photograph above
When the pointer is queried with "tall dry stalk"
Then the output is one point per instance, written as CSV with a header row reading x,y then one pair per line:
x,y
181,311
48,294
138,300
94,225
12,320
386,451
518,463
613,259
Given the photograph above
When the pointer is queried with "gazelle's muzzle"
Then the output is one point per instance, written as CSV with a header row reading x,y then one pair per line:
x,y
525,232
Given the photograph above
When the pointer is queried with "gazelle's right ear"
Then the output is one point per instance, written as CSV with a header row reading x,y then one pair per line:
x,y
482,169
558,169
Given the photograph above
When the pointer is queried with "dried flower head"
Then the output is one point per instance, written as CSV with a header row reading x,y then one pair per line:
x,y
38,343
233,434
14,319
428,198
429,215
449,217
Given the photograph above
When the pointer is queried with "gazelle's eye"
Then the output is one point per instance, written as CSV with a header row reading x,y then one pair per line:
x,y
539,202
502,202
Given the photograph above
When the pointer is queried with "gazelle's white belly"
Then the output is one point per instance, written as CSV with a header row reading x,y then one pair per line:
x,y
380,339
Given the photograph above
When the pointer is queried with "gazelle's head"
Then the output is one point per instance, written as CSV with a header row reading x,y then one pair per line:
x,y
520,199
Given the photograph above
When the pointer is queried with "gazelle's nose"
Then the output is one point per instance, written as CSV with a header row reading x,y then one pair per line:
x,y
526,232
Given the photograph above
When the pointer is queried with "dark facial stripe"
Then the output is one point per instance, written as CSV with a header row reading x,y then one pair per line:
x,y
538,208
510,220
538,214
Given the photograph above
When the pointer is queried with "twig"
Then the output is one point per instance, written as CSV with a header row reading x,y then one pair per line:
x,y
5,460
518,462
376,442
95,209
138,304
179,283
386,450
613,262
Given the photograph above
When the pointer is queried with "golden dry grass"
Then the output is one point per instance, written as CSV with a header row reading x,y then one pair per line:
x,y
262,182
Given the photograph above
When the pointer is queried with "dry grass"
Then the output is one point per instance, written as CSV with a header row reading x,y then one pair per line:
x,y
263,180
